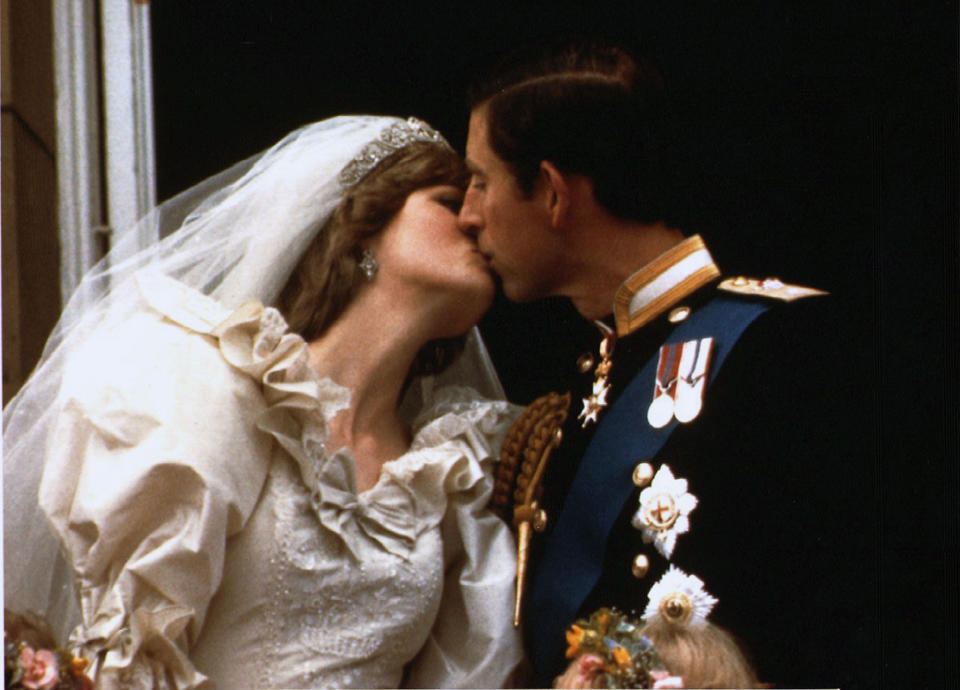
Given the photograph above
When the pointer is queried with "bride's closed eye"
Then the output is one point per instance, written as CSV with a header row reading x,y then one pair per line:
x,y
451,201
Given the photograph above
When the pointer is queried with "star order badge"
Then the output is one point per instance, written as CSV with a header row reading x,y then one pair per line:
x,y
594,403
679,598
665,507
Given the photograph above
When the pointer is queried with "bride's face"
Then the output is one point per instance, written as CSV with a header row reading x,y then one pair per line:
x,y
424,248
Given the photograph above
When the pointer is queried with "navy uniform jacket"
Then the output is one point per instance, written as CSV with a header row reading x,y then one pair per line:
x,y
783,461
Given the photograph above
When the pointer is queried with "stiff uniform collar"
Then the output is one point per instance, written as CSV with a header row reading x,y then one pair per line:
x,y
663,282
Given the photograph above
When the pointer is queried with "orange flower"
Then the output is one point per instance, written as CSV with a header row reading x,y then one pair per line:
x,y
574,638
622,657
603,620
81,680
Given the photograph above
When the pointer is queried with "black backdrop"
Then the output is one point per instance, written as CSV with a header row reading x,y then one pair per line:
x,y
821,148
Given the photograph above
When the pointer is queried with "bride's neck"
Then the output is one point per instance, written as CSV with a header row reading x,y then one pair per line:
x,y
370,350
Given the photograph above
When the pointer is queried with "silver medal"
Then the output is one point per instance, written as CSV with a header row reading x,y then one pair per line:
x,y
660,411
689,401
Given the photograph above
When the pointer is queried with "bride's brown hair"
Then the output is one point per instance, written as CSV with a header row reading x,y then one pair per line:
x,y
328,275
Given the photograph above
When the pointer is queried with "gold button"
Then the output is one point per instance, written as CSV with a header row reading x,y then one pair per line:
x,y
641,564
540,520
739,281
585,362
642,474
679,314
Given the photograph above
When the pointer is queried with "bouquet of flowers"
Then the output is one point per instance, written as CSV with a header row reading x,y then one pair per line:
x,y
31,661
609,648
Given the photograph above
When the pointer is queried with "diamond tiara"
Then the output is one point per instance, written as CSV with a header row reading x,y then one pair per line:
x,y
391,140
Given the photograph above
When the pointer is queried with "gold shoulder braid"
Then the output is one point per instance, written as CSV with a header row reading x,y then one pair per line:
x,y
528,444
772,288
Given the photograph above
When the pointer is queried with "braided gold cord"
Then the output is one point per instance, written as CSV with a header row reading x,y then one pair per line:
x,y
529,443
535,452
510,452
524,446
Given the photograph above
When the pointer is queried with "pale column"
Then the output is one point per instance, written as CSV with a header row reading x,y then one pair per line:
x,y
80,213
128,120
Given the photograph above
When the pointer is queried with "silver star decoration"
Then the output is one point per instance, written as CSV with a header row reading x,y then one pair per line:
x,y
596,402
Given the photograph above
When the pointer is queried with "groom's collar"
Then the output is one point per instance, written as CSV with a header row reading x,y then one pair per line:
x,y
662,283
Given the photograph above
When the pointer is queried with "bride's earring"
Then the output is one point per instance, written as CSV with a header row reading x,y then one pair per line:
x,y
368,264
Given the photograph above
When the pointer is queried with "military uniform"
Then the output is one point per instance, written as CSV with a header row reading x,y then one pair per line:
x,y
778,452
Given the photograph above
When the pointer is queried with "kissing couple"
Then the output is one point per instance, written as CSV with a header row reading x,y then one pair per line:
x,y
270,450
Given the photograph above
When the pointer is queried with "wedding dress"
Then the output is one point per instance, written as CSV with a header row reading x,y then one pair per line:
x,y
213,537
248,555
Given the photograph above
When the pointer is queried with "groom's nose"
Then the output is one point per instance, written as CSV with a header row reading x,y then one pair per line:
x,y
469,220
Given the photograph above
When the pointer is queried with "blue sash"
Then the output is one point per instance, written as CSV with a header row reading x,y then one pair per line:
x,y
573,555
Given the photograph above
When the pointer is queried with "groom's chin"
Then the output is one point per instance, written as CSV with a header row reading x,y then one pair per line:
x,y
518,293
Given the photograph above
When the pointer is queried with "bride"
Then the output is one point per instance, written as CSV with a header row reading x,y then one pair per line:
x,y
265,443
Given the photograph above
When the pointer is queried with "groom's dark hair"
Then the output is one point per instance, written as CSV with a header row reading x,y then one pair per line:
x,y
589,108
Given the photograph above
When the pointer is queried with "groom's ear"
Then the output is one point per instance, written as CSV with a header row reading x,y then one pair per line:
x,y
556,193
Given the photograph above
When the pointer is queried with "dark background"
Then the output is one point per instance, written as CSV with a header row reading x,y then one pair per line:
x,y
821,147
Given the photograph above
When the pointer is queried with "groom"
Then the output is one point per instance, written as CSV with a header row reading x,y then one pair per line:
x,y
734,384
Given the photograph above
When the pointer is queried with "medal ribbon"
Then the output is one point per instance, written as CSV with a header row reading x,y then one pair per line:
x,y
667,369
701,359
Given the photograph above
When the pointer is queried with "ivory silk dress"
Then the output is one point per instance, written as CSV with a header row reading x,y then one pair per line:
x,y
217,543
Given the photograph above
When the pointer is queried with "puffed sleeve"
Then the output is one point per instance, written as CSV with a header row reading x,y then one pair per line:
x,y
473,643
153,464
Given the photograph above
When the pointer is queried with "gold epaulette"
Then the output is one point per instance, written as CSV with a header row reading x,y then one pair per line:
x,y
773,288
523,461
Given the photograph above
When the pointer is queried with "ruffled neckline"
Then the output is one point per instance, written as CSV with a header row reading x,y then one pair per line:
x,y
454,434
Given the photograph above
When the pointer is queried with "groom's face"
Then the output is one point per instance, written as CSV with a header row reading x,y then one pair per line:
x,y
512,230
